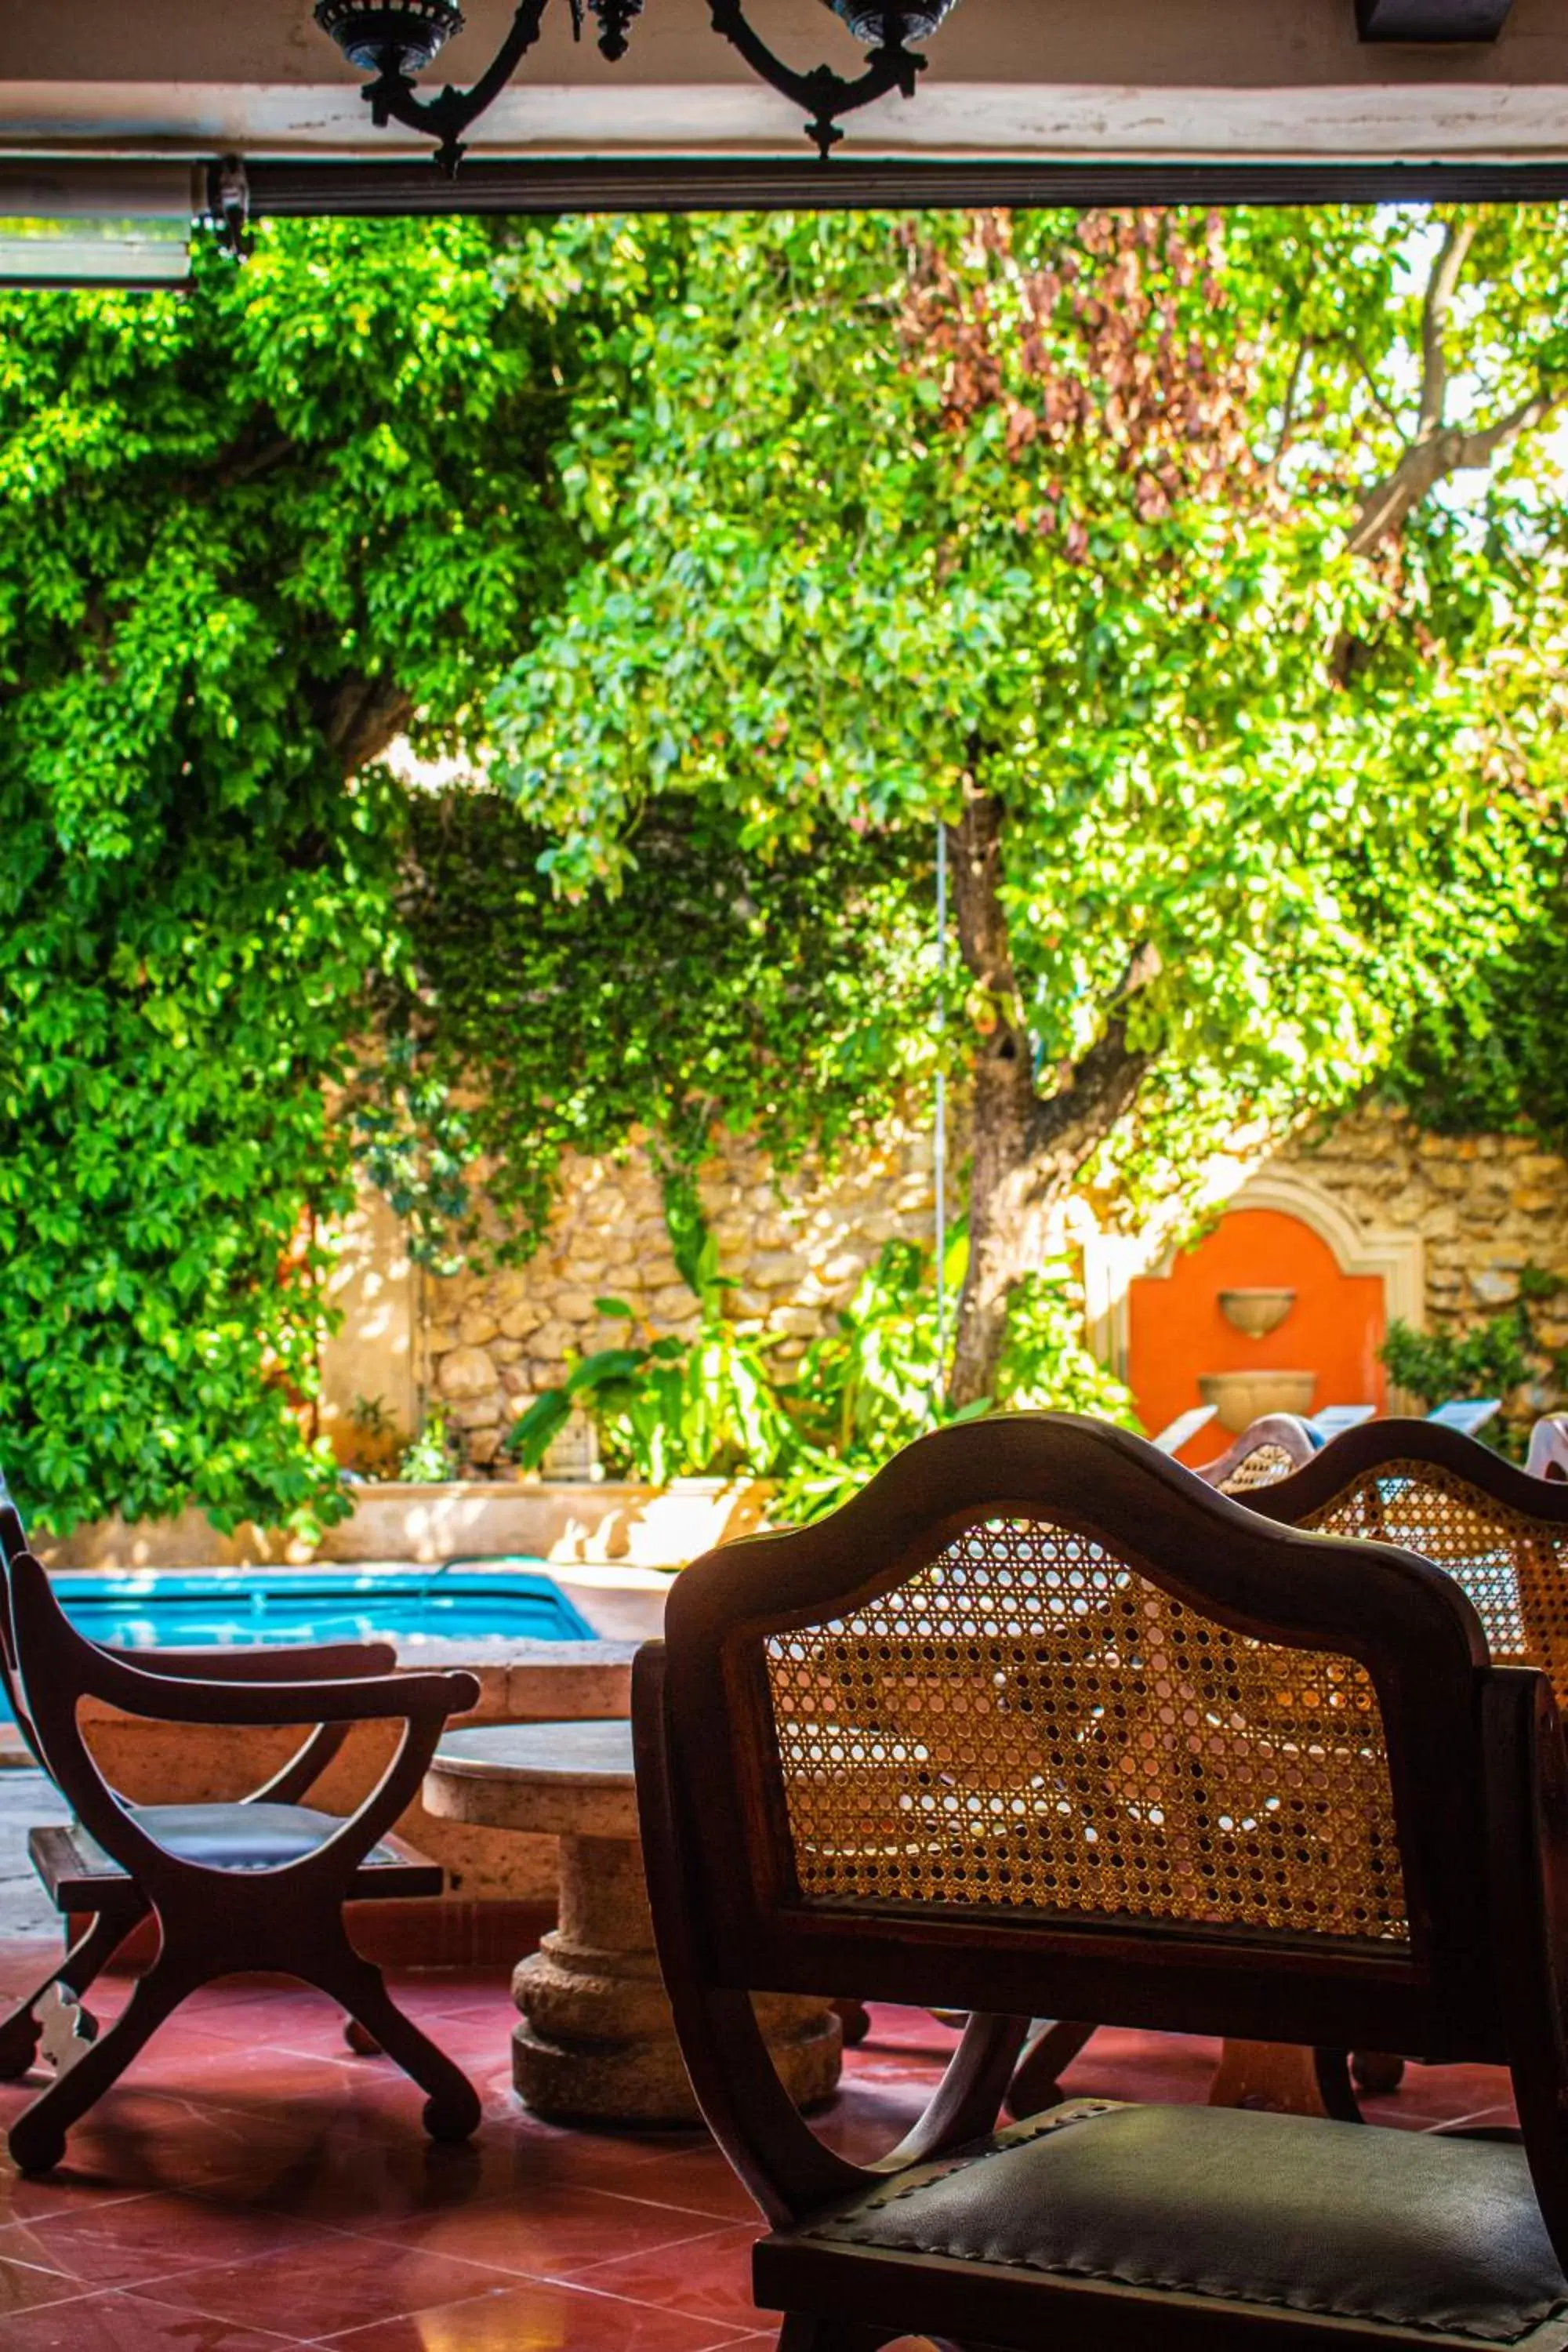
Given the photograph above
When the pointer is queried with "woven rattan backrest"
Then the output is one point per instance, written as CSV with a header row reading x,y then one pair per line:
x,y
1261,1468
1500,1534
1031,1723
1039,1684
1269,1448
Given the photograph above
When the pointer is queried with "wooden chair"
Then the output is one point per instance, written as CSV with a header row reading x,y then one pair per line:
x,y
1548,1456
1096,1617
1431,1489
1268,1448
123,1907
257,1884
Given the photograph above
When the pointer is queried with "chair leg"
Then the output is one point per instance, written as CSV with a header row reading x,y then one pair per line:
x,y
1335,2086
1377,2070
802,2331
1034,2084
87,1956
451,2102
37,2137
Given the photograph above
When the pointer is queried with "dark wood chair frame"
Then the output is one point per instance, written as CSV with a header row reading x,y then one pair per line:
x,y
1479,1779
121,1906
1370,1447
214,1920
1373,1444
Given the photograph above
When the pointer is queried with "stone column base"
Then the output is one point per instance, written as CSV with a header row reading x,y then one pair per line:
x,y
598,2039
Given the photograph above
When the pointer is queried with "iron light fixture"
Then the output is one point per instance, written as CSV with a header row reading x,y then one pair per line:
x,y
393,41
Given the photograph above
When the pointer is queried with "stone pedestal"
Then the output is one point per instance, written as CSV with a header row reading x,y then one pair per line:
x,y
596,2043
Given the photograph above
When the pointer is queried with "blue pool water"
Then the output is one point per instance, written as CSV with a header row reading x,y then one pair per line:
x,y
503,1601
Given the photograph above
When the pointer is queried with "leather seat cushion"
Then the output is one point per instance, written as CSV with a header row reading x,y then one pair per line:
x,y
1279,2211
230,1837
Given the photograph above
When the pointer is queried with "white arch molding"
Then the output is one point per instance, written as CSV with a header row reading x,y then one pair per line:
x,y
1112,1262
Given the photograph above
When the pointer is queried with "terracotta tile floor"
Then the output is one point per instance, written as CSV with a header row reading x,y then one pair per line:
x,y
252,2186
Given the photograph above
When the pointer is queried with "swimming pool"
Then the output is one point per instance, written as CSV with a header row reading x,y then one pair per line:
x,y
462,1600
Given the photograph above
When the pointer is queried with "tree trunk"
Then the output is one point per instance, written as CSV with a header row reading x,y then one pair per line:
x,y
1026,1152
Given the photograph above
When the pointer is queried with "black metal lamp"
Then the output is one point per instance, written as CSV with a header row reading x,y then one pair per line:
x,y
394,40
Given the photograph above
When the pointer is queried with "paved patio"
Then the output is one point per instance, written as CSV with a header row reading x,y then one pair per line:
x,y
253,2186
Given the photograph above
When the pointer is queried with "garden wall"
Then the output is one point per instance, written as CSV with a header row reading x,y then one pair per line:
x,y
1479,1208
795,1246
1485,1205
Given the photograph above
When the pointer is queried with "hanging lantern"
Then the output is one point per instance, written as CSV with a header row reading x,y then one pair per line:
x,y
872,25
405,39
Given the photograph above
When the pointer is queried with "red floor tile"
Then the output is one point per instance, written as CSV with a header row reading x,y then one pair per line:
x,y
553,2232
25,2285
252,2186
137,2240
121,2323
699,2179
708,2278
564,2318
318,2289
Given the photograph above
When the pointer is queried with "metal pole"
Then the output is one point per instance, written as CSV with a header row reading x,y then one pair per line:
x,y
939,1141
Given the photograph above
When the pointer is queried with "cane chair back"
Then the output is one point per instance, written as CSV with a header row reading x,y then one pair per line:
x,y
1268,1449
1038,1711
1548,1456
1499,1533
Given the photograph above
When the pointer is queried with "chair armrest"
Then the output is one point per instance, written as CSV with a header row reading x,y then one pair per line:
x,y
305,1766
186,1699
328,1661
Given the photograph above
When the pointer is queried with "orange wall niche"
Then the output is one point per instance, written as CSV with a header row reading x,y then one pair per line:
x,y
1177,1331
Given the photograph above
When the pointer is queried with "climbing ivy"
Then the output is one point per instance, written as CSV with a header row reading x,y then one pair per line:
x,y
1489,1059
246,534
786,997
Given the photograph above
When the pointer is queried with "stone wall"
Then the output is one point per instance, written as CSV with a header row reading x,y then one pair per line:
x,y
1484,1206
794,1246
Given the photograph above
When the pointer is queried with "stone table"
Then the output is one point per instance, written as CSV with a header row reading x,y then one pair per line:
x,y
596,2043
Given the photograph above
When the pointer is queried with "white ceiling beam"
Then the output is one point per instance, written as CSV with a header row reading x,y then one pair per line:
x,y
1224,81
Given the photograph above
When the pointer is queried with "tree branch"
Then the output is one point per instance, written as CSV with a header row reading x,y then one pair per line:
x,y
1094,1091
1477,449
1072,1123
1363,368
1427,463
975,857
1457,238
1439,449
365,714
1288,409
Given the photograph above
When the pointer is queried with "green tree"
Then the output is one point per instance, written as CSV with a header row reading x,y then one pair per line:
x,y
250,533
1201,574
1489,1059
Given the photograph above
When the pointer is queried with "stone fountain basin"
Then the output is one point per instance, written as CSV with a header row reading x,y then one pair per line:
x,y
1241,1398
